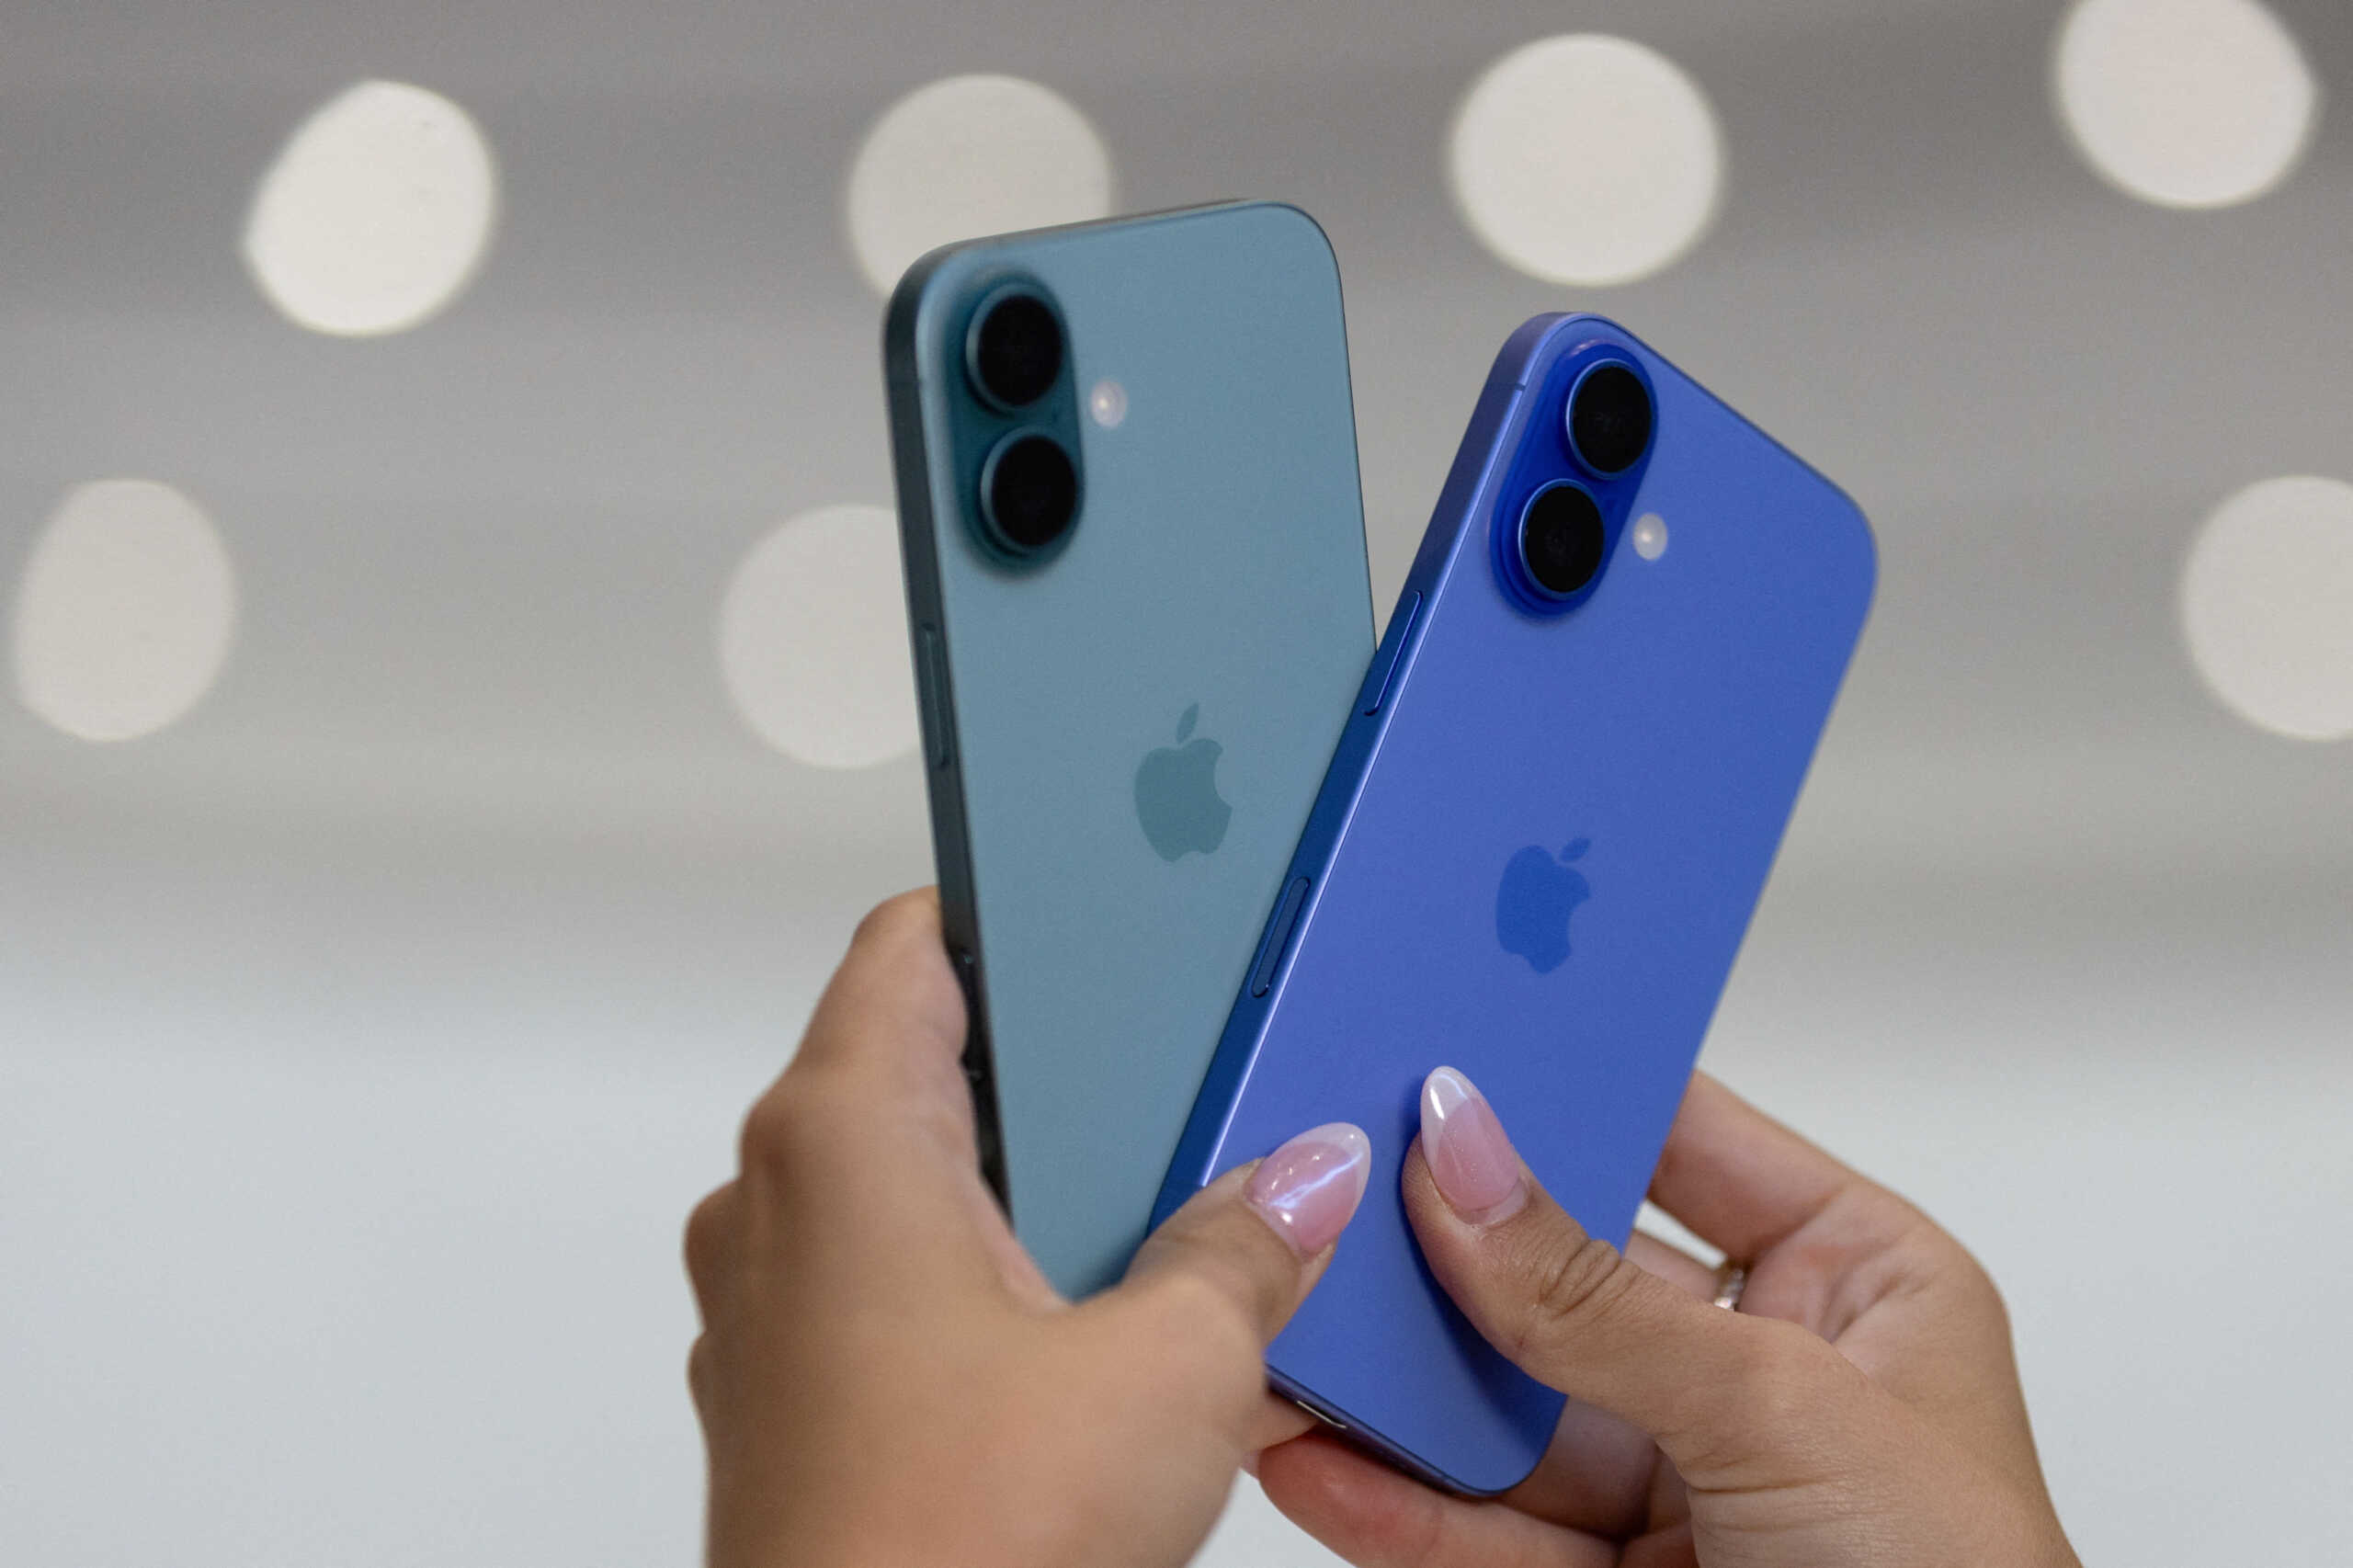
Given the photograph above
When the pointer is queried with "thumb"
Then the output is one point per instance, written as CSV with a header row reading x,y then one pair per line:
x,y
1217,1281
1717,1392
1257,1238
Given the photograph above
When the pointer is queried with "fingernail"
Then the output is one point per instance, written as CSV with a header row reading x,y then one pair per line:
x,y
1468,1156
1308,1189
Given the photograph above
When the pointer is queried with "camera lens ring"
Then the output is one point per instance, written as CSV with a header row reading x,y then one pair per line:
x,y
1013,347
1559,540
1029,493
1609,417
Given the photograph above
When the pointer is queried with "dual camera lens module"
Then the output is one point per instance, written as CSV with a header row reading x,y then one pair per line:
x,y
1015,355
1563,533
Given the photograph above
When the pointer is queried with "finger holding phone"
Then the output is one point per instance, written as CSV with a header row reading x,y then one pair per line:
x,y
884,1376
1861,1406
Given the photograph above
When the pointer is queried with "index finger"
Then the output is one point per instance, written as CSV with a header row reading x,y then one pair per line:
x,y
864,1147
892,1011
1739,1179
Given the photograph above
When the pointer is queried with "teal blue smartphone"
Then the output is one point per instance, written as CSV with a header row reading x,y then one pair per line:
x,y
1133,544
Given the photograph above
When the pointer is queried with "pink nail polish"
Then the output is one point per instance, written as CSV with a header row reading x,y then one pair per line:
x,y
1469,1158
1308,1189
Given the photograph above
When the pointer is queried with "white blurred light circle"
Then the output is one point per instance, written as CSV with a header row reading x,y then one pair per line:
x,y
2266,605
1586,159
971,156
1650,536
2185,103
813,640
125,613
376,214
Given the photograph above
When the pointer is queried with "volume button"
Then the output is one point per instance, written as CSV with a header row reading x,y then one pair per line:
x,y
931,673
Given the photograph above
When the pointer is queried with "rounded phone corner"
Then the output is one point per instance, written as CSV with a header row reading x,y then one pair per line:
x,y
903,313
1473,1484
1867,538
1290,211
1487,1486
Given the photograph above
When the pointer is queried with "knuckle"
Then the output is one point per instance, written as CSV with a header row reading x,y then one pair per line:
x,y
706,1244
1214,1353
1214,1311
1571,1286
1925,1254
1974,1287
770,1126
1949,1256
782,1126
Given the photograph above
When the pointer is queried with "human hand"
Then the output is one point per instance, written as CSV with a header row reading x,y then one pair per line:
x,y
884,1376
1862,1407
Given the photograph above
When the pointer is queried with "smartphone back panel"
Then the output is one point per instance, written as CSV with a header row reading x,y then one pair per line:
x,y
1123,739
1535,862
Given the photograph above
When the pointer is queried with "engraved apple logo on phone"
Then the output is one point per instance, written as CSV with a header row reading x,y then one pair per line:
x,y
1176,797
1533,903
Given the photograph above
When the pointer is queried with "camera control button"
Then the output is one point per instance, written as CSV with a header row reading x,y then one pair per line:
x,y
1383,673
1277,939
931,675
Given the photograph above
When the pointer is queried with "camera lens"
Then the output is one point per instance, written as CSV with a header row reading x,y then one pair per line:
x,y
1561,537
1016,350
1029,491
1609,419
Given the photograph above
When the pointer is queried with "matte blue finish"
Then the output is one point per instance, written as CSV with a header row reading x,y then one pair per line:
x,y
1211,606
1535,863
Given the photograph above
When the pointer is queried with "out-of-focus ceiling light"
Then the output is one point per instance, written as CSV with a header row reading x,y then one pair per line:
x,y
2185,103
813,640
2266,605
968,155
125,613
376,214
1586,159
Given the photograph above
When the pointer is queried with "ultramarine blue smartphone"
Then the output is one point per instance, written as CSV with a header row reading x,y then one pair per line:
x,y
1541,839
1134,553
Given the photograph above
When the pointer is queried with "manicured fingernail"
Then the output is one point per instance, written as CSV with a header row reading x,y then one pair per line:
x,y
1308,1189
1468,1156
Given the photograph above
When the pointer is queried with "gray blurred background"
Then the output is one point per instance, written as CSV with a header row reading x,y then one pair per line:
x,y
366,1035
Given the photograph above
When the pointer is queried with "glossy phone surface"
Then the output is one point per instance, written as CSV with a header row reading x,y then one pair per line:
x,y
1533,859
1124,728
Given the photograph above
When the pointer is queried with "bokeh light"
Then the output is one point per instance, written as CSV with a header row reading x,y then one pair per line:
x,y
971,156
377,213
2266,605
2185,103
813,640
1586,159
125,613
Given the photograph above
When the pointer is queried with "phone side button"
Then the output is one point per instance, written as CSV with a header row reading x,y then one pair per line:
x,y
1279,930
931,673
1384,662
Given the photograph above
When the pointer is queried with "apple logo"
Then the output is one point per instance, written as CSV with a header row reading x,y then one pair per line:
x,y
1176,797
1535,901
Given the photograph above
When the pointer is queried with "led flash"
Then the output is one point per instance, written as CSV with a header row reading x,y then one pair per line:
x,y
1107,404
